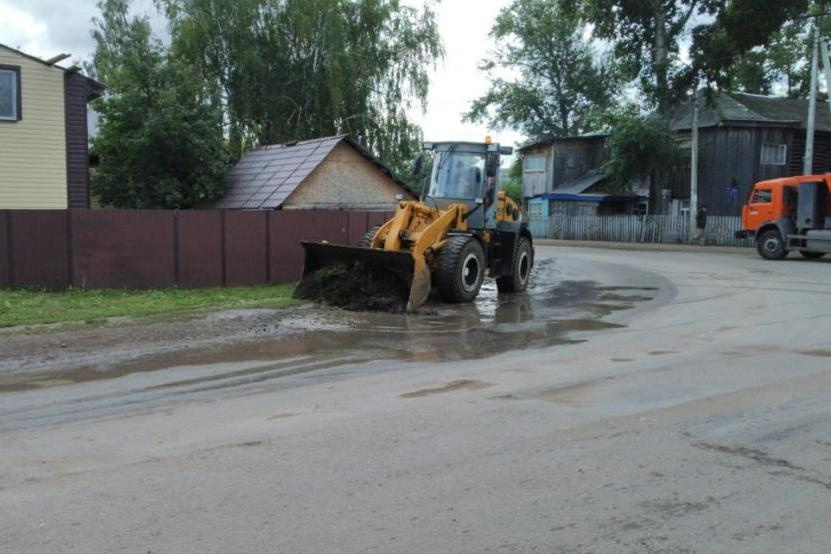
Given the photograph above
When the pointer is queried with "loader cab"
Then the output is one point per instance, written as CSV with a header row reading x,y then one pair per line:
x,y
466,172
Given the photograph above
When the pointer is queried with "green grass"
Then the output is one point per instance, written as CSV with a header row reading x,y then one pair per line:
x,y
29,307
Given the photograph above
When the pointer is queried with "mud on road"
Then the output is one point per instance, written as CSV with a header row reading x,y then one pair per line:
x,y
240,347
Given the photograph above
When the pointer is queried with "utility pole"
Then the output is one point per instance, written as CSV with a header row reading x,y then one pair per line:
x,y
826,62
694,166
808,162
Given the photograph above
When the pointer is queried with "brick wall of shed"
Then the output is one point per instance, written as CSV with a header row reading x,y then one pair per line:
x,y
345,180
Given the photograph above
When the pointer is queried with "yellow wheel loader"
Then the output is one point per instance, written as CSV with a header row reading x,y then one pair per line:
x,y
463,228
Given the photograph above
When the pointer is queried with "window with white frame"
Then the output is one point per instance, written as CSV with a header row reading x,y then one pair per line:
x,y
774,154
9,93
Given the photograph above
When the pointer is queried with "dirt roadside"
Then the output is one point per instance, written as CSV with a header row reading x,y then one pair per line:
x,y
550,312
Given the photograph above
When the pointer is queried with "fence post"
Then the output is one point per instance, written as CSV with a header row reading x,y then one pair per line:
x,y
177,272
70,277
222,247
268,247
9,244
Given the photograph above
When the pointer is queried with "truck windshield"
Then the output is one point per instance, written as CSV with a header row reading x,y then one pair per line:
x,y
457,175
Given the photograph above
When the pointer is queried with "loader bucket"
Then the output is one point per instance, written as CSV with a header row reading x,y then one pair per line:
x,y
363,278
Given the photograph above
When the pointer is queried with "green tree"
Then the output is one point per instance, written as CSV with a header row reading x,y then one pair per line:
x,y
750,46
512,185
562,81
647,34
284,70
160,142
783,63
642,150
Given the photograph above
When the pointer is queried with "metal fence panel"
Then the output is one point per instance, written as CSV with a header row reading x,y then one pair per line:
x,y
289,227
246,254
199,248
131,249
357,225
39,249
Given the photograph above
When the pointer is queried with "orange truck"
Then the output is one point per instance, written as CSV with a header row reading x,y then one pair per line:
x,y
791,213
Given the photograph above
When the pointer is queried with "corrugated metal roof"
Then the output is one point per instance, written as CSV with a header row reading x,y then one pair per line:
x,y
581,184
265,177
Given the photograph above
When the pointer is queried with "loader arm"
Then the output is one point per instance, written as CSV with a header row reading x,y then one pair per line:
x,y
420,225
423,229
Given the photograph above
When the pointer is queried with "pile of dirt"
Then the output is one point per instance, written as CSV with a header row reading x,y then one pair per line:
x,y
355,287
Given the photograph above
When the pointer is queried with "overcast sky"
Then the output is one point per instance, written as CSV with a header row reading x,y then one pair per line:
x,y
45,28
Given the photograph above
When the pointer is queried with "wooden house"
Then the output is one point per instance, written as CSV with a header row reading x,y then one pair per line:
x,y
744,138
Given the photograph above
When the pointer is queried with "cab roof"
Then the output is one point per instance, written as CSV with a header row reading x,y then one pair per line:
x,y
794,180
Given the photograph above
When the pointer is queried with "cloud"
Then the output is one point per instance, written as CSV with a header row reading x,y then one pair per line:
x,y
48,27
20,29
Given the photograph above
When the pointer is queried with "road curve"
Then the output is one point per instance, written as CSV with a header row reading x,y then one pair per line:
x,y
695,421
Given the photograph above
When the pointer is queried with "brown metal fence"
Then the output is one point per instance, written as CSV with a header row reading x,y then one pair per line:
x,y
141,249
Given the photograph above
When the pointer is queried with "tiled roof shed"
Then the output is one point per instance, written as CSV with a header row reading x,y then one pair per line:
x,y
331,172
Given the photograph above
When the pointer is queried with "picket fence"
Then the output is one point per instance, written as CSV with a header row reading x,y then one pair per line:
x,y
636,228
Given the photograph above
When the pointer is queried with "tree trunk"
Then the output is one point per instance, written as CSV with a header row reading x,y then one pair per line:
x,y
660,57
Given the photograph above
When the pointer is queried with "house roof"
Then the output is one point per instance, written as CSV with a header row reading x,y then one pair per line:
x,y
581,184
546,142
731,108
740,108
266,177
94,88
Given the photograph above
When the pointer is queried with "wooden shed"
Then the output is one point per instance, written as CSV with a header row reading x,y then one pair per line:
x,y
566,172
326,173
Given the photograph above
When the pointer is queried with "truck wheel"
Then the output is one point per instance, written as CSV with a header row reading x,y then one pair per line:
x,y
771,246
366,240
461,269
521,263
811,255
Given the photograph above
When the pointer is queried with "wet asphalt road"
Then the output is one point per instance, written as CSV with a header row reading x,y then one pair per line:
x,y
632,402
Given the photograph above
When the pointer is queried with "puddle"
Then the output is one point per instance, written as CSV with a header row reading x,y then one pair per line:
x,y
552,310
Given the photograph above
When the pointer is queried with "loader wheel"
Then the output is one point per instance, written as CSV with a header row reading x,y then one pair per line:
x,y
517,282
811,254
366,240
771,246
461,268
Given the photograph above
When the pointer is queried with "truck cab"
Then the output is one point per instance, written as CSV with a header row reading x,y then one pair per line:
x,y
791,213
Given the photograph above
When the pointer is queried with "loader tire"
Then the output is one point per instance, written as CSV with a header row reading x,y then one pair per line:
x,y
461,269
521,264
366,240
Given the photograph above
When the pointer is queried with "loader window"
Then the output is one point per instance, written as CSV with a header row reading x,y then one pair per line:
x,y
457,175
762,196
